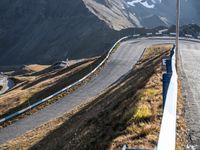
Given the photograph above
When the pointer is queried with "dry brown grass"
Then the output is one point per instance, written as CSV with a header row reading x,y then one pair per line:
x,y
29,92
144,124
36,67
153,50
181,130
108,121
143,112
32,137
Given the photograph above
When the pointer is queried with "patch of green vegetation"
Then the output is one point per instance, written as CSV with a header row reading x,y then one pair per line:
x,y
152,92
143,112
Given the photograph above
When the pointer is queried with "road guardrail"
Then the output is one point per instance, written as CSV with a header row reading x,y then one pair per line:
x,y
11,116
167,137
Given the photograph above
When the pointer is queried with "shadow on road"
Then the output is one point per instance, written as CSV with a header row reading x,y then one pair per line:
x,y
102,120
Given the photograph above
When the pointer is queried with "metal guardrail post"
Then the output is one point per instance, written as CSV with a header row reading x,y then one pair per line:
x,y
125,147
166,81
169,66
172,52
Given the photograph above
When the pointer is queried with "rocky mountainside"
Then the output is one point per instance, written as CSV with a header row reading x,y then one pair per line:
x,y
45,31
143,13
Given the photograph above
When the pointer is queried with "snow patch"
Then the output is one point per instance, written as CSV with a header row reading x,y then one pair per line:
x,y
144,3
164,19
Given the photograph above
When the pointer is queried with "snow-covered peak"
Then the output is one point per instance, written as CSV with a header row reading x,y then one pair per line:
x,y
120,14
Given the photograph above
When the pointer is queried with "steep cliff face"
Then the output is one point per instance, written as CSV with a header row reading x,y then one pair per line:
x,y
44,31
120,14
114,12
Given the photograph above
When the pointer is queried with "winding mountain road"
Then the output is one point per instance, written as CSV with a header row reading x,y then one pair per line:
x,y
118,64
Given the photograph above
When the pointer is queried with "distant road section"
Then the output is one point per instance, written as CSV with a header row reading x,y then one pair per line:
x,y
5,84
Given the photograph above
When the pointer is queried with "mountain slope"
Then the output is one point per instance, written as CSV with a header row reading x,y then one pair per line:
x,y
121,14
45,31
114,12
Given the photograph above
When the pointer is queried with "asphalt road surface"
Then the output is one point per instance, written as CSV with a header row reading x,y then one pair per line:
x,y
190,54
119,64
